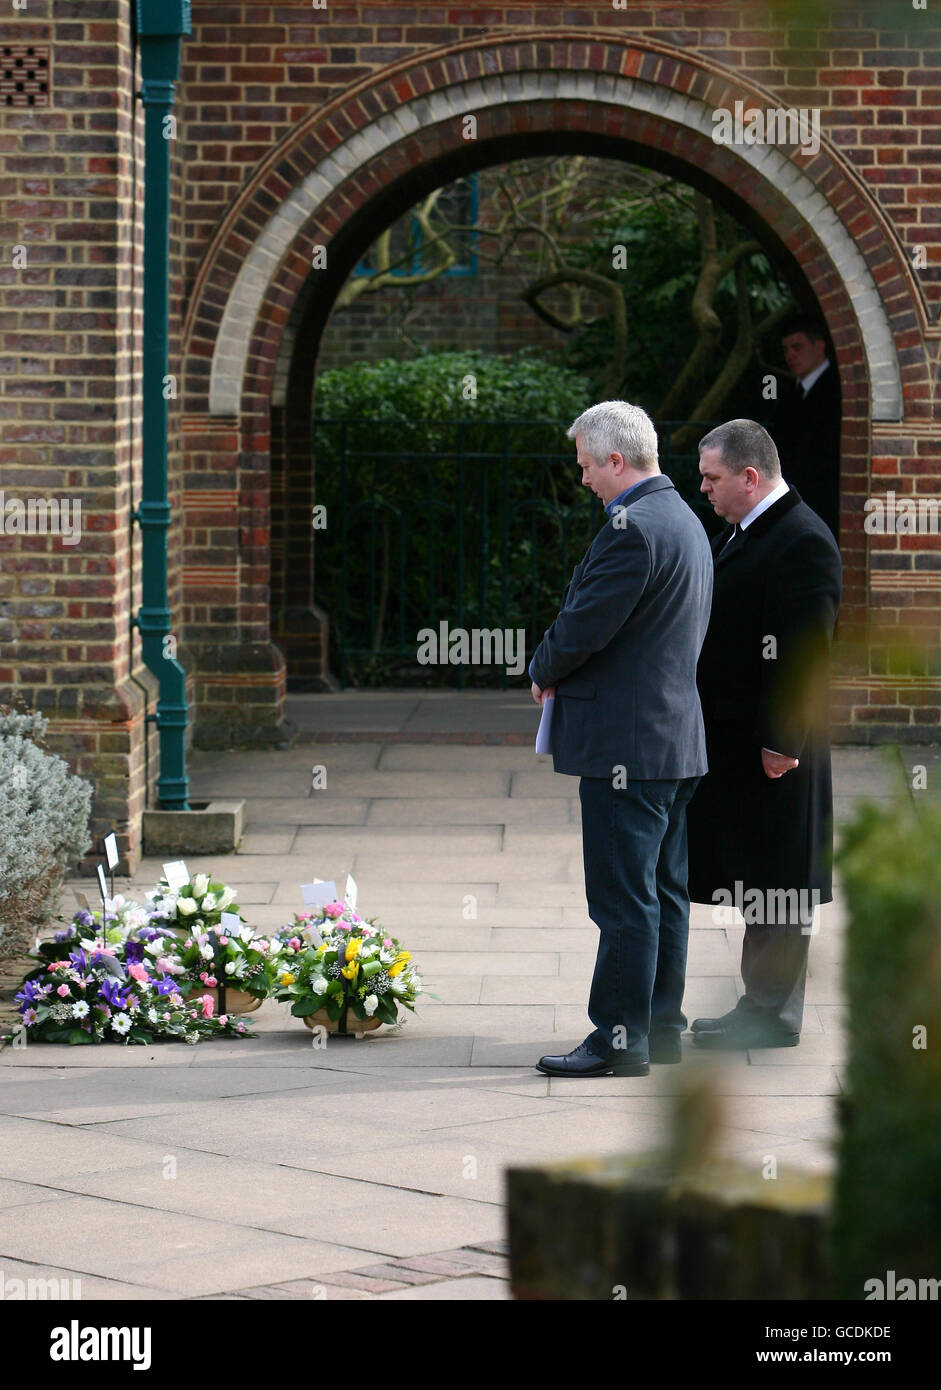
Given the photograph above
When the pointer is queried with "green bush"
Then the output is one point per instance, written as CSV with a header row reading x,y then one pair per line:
x,y
44,826
888,1205
434,388
464,503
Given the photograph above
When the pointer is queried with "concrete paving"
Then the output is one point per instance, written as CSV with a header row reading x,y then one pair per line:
x,y
265,1169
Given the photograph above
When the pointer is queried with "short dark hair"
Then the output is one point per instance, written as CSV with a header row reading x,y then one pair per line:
x,y
744,444
810,325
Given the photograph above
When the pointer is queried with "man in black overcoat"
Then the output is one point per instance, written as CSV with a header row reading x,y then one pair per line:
x,y
806,422
760,823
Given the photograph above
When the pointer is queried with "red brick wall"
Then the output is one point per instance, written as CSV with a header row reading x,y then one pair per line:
x,y
69,377
266,86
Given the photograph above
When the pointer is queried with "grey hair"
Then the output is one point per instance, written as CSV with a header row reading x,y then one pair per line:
x,y
744,444
617,427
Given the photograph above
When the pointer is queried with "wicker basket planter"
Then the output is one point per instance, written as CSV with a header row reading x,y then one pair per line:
x,y
347,1025
237,1001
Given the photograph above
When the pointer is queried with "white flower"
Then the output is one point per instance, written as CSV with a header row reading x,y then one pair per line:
x,y
225,897
152,1015
245,933
370,1004
398,985
121,1023
387,957
186,907
367,952
136,917
318,985
153,948
79,1009
199,884
208,903
206,951
230,968
416,982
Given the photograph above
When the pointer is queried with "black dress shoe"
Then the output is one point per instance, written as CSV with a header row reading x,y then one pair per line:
x,y
741,1034
581,1061
709,1025
667,1050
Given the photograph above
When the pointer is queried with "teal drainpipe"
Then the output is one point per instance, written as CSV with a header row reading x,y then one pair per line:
x,y
161,25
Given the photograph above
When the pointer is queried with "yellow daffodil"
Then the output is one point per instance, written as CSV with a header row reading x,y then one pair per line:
x,y
287,978
399,965
352,948
350,972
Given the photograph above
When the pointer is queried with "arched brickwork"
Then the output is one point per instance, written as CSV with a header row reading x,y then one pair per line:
x,y
340,168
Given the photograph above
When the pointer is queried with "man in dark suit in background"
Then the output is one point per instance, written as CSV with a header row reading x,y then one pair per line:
x,y
620,659
760,823
805,425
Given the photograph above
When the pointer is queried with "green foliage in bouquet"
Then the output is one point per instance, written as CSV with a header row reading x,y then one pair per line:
x,y
335,960
888,1200
238,959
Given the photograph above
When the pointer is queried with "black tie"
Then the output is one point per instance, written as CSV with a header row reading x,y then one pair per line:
x,y
730,539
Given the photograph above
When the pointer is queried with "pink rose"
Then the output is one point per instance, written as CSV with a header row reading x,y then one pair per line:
x,y
223,941
240,1027
139,972
63,990
335,909
295,941
167,1017
223,1018
208,1005
387,941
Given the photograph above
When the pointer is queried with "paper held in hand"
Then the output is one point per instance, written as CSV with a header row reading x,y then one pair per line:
x,y
544,732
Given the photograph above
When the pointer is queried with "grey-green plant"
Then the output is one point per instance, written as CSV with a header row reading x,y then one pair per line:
x,y
44,825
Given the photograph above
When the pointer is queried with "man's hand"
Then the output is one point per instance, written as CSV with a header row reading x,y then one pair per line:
x,y
776,764
540,695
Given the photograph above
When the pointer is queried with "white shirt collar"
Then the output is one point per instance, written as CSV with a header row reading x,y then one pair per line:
x,y
808,380
764,504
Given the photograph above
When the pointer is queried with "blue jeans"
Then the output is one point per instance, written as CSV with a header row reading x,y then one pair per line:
x,y
634,848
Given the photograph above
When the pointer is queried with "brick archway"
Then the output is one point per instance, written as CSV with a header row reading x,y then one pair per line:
x,y
646,99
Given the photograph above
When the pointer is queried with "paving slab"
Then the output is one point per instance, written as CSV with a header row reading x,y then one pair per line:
x,y
185,1254
471,854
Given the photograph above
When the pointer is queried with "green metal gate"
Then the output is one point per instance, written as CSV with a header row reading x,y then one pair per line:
x,y
474,523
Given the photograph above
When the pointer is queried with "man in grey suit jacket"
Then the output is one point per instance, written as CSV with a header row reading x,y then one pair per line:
x,y
620,659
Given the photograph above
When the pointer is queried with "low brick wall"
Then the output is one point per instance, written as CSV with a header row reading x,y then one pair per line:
x,y
622,1228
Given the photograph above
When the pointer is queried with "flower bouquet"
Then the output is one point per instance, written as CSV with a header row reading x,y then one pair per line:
x,y
90,996
239,962
197,906
343,971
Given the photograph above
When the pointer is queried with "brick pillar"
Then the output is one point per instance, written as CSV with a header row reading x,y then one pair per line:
x,y
70,414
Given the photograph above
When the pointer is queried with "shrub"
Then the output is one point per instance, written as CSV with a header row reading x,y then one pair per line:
x,y
888,1204
44,825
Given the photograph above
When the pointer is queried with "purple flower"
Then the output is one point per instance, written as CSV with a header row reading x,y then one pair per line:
x,y
133,952
68,932
112,992
29,993
166,984
84,918
79,960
